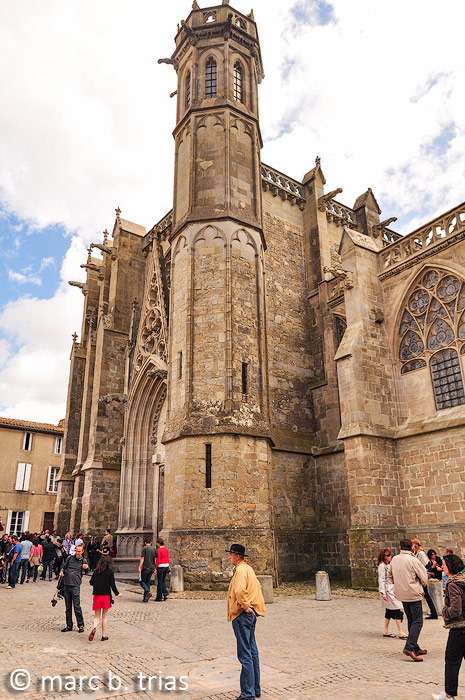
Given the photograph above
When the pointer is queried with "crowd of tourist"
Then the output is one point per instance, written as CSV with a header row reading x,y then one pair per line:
x,y
403,584
32,556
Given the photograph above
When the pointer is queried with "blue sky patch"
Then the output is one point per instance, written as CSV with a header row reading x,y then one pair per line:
x,y
313,12
30,258
440,143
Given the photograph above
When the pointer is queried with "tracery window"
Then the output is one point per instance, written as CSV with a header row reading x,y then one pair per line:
x,y
210,78
340,325
238,82
188,90
432,331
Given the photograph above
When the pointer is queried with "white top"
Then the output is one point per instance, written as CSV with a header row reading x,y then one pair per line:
x,y
386,587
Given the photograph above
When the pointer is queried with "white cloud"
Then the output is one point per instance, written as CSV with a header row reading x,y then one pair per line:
x,y
33,380
86,120
23,277
46,262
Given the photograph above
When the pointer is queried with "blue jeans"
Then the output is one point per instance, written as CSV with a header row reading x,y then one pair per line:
x,y
247,653
161,586
145,577
23,569
14,573
414,612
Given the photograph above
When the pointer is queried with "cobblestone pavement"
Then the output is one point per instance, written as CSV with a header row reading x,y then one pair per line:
x,y
309,649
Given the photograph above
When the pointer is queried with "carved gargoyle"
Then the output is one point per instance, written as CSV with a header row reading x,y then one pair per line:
x,y
377,228
170,62
327,197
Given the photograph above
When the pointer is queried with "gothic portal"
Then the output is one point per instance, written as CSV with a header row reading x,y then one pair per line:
x,y
266,364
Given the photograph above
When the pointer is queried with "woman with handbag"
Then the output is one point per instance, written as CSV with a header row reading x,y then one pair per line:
x,y
103,582
453,613
35,559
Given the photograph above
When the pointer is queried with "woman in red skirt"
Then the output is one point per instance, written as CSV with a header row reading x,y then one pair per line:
x,y
103,582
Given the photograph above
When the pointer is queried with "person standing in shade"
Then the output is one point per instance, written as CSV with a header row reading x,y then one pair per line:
x,y
420,554
72,570
92,552
409,578
245,603
162,566
107,540
48,558
26,546
15,561
147,567
35,558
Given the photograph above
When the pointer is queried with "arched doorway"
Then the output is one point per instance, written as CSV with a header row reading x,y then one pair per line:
x,y
141,490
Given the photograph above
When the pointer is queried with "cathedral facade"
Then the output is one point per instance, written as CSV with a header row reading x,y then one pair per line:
x,y
266,364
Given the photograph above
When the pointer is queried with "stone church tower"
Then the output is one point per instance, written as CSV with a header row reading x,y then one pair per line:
x,y
266,364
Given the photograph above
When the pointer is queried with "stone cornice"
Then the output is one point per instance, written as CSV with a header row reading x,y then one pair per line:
x,y
452,418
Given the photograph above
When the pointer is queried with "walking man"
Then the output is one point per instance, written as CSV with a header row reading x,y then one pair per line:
x,y
72,570
147,567
245,603
409,577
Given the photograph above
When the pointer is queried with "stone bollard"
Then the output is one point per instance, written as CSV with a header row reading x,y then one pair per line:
x,y
267,587
323,588
435,591
177,579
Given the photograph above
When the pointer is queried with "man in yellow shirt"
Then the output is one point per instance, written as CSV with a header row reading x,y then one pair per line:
x,y
245,603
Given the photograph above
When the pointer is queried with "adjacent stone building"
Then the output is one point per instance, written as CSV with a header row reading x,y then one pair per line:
x,y
266,364
30,458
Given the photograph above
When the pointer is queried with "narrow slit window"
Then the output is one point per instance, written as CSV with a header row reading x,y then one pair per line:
x,y
180,365
188,90
245,378
208,466
210,78
238,82
27,442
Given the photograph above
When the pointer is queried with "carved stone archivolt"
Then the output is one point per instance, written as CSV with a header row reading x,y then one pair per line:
x,y
156,415
153,331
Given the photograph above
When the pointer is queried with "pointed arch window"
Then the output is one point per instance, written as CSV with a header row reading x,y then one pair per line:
x,y
432,332
238,82
210,78
187,90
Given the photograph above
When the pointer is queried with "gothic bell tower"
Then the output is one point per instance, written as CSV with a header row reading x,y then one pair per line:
x,y
217,135
217,442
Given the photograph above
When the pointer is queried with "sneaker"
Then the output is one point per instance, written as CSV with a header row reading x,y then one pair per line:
x,y
441,696
149,595
10,586
81,629
67,629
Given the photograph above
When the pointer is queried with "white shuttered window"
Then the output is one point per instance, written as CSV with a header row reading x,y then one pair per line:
x,y
22,476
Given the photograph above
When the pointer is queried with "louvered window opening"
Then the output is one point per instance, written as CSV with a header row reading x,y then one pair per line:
x,y
188,90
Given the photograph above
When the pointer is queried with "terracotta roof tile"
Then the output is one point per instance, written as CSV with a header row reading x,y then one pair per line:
x,y
17,423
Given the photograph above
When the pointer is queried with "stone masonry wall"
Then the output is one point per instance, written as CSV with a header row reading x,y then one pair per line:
x,y
432,479
290,356
197,520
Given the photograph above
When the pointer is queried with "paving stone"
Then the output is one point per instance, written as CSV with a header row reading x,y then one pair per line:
x,y
309,649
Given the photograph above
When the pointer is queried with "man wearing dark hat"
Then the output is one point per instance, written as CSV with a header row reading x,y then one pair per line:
x,y
245,603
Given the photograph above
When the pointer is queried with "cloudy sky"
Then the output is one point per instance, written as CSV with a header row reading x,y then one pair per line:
x,y
375,88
